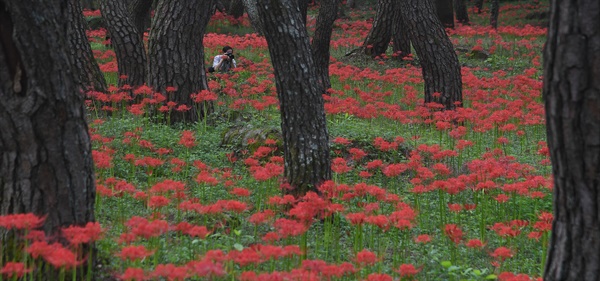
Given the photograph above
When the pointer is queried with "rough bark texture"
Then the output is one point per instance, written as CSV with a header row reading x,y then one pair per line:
x,y
126,41
494,11
460,10
251,8
46,163
303,123
90,76
303,4
572,99
236,8
401,40
322,38
176,53
445,11
441,70
139,11
379,36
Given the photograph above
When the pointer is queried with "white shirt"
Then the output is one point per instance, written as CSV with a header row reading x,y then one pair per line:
x,y
218,60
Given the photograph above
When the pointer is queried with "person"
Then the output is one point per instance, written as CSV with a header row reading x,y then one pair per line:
x,y
225,61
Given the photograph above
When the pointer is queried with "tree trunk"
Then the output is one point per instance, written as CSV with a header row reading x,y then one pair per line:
x,y
379,36
401,43
479,6
351,4
494,11
445,12
460,9
139,11
251,8
322,38
236,9
89,75
303,123
441,70
571,94
176,54
46,163
303,9
126,41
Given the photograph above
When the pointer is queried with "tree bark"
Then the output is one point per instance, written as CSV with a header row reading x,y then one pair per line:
x,y
176,53
139,11
479,6
126,41
460,10
401,40
322,38
441,70
251,8
445,12
379,36
303,123
571,92
494,11
236,8
303,9
46,165
83,61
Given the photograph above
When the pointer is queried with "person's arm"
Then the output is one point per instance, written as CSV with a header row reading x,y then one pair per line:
x,y
234,64
217,61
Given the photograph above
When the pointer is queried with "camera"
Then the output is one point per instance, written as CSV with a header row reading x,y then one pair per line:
x,y
231,56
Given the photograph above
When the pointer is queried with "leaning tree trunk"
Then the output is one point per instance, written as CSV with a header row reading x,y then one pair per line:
x,y
460,10
303,4
46,165
252,10
176,54
401,40
139,11
572,100
441,70
379,36
494,11
303,123
126,41
322,38
236,8
445,12
89,75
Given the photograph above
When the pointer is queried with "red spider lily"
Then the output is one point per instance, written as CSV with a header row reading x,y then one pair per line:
x,y
158,202
455,207
205,268
60,257
204,95
134,274
502,253
454,233
167,186
21,221
170,272
379,277
380,221
342,141
474,243
133,253
39,248
509,276
102,160
261,217
14,270
286,228
242,192
423,238
245,257
204,177
356,218
187,139
408,270
77,235
144,228
366,257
